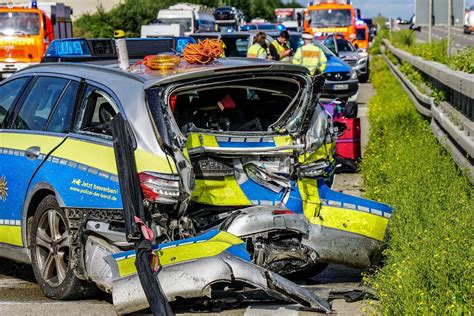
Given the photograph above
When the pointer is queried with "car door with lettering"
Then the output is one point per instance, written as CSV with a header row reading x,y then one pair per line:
x,y
25,145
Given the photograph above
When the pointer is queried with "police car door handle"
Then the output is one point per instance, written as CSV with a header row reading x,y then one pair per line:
x,y
32,152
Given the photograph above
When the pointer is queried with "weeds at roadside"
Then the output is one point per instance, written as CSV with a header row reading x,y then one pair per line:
x,y
429,265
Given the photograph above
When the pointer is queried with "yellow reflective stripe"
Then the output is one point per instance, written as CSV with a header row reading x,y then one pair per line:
x,y
21,141
11,235
185,252
102,157
322,153
147,161
331,30
284,140
196,140
352,221
94,155
310,54
226,192
310,197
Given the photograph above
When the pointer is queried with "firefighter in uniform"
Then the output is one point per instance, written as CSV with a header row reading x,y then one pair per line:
x,y
259,47
280,49
310,56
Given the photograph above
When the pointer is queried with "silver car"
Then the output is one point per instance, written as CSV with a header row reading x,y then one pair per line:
x,y
359,61
62,198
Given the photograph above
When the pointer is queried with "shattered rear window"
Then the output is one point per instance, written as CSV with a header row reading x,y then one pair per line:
x,y
241,105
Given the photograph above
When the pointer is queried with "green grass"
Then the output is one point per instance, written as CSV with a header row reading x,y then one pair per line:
x,y
436,51
430,256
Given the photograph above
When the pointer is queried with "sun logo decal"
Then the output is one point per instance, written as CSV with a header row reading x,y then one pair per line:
x,y
3,188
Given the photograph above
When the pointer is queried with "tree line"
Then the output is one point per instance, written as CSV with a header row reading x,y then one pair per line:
x,y
132,14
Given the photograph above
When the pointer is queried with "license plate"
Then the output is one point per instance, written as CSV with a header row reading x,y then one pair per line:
x,y
341,86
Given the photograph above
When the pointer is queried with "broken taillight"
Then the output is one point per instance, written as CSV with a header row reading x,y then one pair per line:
x,y
160,188
282,212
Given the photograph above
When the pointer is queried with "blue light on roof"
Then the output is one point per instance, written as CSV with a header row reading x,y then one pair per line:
x,y
360,22
181,43
68,48
281,27
34,4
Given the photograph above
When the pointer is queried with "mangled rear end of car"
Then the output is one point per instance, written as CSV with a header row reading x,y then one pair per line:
x,y
259,142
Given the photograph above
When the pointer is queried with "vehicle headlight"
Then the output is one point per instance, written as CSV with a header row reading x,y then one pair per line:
x,y
353,75
361,61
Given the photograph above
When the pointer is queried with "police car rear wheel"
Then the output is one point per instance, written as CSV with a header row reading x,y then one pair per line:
x,y
51,253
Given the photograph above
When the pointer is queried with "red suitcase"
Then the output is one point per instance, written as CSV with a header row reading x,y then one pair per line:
x,y
348,144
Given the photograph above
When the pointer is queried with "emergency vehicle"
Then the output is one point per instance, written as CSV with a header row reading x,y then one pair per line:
x,y
331,16
26,31
469,22
291,18
362,36
62,191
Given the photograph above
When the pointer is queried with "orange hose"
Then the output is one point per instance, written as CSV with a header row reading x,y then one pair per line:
x,y
203,52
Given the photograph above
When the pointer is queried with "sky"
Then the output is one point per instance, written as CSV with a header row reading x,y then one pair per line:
x,y
388,8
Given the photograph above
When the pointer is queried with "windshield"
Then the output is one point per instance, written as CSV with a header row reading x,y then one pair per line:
x,y
184,22
326,50
283,18
345,46
19,23
360,34
322,18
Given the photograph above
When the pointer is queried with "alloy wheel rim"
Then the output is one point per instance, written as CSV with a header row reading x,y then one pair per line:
x,y
52,247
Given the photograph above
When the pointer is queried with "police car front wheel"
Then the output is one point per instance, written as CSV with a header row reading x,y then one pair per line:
x,y
51,253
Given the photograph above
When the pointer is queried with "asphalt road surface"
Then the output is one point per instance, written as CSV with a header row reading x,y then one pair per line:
x,y
20,295
460,40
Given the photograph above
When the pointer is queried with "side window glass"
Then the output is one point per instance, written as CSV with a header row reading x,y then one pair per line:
x,y
329,43
8,93
242,45
61,119
39,103
97,111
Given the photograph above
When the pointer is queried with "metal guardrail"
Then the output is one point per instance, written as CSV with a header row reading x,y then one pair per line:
x,y
451,121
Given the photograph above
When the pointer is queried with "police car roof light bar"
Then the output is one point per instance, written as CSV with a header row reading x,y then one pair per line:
x,y
84,50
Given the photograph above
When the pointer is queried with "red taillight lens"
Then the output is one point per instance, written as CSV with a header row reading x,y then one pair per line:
x,y
161,188
282,212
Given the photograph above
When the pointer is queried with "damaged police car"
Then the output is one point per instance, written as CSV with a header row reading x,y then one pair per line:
x,y
216,146
61,201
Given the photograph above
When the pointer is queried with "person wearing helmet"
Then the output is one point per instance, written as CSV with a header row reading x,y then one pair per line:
x,y
280,49
310,56
259,47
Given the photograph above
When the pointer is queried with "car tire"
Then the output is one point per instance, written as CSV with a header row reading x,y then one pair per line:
x,y
308,273
365,78
51,254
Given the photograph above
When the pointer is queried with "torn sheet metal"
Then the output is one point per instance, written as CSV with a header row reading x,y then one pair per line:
x,y
349,230
214,266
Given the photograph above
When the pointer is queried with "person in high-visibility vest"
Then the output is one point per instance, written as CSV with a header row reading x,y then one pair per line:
x,y
280,49
310,56
224,47
259,47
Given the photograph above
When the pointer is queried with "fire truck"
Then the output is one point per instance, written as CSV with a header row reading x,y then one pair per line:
x,y
291,18
331,16
26,31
